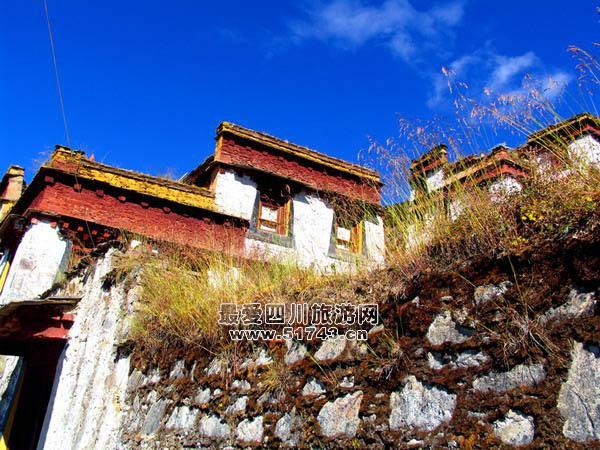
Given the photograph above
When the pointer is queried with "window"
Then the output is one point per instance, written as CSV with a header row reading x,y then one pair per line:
x,y
348,236
273,216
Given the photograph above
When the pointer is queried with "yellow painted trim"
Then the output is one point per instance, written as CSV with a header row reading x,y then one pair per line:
x,y
283,211
286,218
4,274
358,245
296,150
218,147
5,209
143,184
144,187
356,238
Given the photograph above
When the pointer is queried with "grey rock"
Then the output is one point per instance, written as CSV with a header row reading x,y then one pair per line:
x,y
212,427
154,376
515,429
331,349
152,397
443,329
246,364
521,375
347,382
382,427
217,393
471,358
313,388
136,380
283,427
419,406
137,404
250,431
288,429
468,358
216,366
339,418
296,352
461,315
241,385
202,397
237,407
437,361
370,419
135,414
578,304
268,398
579,396
178,370
489,292
182,418
154,417
263,359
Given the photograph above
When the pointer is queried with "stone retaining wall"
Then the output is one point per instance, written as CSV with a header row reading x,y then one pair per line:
x,y
432,374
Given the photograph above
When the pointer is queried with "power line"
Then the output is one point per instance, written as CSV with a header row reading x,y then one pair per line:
x,y
62,103
56,74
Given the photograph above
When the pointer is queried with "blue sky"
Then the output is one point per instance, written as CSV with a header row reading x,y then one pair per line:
x,y
146,82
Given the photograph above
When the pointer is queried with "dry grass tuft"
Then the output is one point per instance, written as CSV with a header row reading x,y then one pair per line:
x,y
183,288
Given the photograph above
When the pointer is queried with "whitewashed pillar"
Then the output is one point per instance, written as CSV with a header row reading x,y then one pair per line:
x,y
40,256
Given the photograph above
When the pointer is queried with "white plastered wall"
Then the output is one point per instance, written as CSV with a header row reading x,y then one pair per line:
x,y
235,194
503,188
375,240
89,397
435,180
312,221
311,227
38,259
585,149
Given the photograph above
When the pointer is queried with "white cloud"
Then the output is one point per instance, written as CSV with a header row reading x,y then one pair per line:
x,y
421,35
555,84
506,68
450,14
487,73
396,23
403,46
